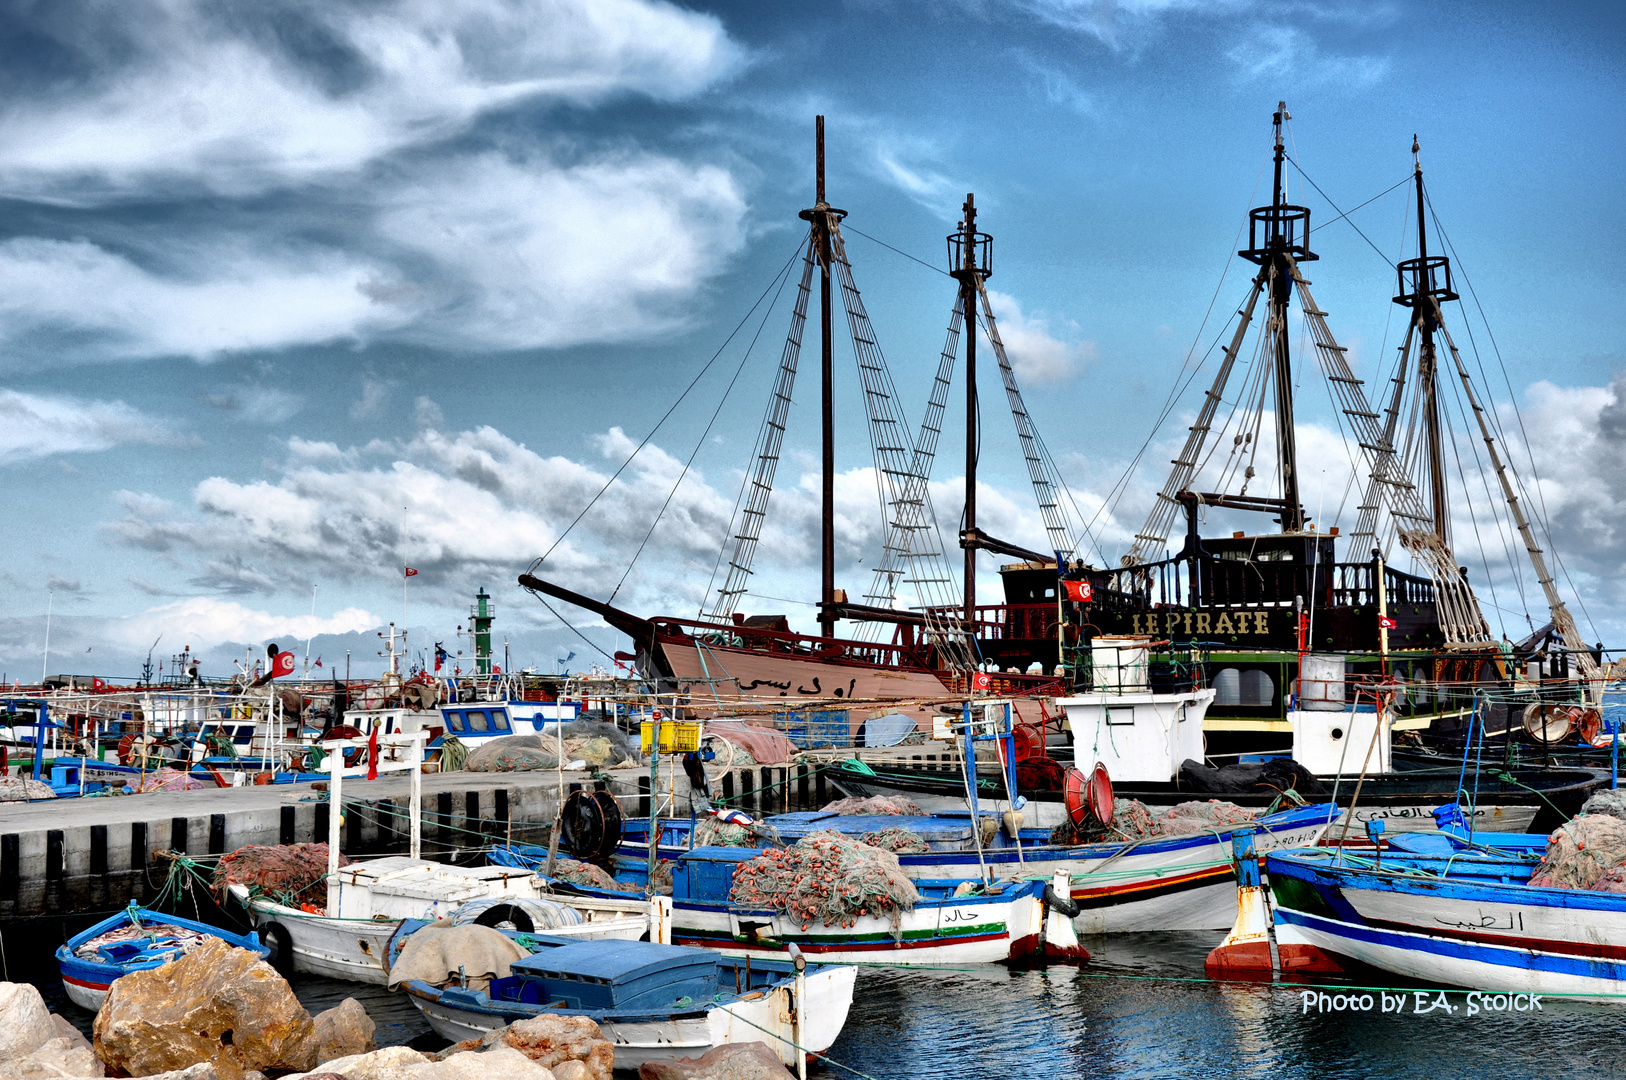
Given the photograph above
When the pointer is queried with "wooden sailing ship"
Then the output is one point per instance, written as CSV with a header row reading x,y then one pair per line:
x,y
905,656
1262,602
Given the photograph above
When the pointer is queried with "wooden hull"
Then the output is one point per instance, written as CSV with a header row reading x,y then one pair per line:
x,y
967,930
1461,929
829,992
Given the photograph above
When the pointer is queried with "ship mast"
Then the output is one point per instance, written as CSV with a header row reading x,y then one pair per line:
x,y
1417,298
822,217
963,256
1280,236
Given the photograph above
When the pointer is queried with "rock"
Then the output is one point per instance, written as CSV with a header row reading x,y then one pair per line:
x,y
498,1063
390,1063
218,1003
732,1061
25,1022
344,1031
204,1071
550,1040
572,1070
66,1030
58,1059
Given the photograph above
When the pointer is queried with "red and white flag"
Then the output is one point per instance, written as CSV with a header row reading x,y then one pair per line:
x,y
411,572
1387,623
282,664
981,681
1081,591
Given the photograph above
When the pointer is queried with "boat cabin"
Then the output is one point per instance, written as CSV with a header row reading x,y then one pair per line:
x,y
568,973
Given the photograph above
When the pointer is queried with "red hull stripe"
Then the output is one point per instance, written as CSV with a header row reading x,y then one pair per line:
x,y
86,985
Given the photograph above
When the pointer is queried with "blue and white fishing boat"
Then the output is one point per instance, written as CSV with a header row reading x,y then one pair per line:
x,y
1120,886
1463,919
134,940
654,1002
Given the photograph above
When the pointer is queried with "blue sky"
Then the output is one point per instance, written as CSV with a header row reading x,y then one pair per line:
x,y
295,295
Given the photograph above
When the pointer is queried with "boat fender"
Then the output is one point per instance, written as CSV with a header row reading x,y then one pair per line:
x,y
275,937
1062,905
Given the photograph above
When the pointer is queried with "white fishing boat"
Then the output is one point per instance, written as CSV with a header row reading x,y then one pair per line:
x,y
367,902
654,1002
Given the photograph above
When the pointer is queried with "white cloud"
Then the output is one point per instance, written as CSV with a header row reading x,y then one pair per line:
x,y
112,308
209,621
39,425
1278,53
178,90
1037,356
1115,22
535,253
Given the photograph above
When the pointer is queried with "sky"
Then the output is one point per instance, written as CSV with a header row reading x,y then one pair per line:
x,y
296,295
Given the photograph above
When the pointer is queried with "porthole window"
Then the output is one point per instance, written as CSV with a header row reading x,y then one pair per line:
x,y
1228,686
1257,688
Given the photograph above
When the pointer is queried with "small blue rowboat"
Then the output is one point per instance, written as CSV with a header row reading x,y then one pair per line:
x,y
133,940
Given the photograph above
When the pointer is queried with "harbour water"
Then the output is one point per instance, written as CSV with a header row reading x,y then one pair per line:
x,y
1140,1009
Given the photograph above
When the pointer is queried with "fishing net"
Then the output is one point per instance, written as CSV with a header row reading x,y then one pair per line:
x,y
899,841
580,873
23,788
710,832
514,753
875,804
1612,803
826,878
1581,852
1134,820
289,873
660,883
169,780
1194,817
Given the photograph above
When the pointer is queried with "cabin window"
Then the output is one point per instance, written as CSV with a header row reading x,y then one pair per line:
x,y
1257,688
499,720
1122,716
1278,555
1050,594
1228,686
477,720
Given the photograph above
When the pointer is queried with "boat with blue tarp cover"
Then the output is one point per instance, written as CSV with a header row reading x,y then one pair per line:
x,y
654,1002
135,939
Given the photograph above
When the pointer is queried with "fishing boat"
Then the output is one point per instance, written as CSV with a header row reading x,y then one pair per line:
x,y
1461,919
133,940
1159,883
654,1002
369,901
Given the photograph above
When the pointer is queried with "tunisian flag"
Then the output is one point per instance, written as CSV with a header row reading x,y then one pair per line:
x,y
411,572
1081,591
282,664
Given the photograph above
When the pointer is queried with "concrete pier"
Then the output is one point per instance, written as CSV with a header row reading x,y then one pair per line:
x,y
65,856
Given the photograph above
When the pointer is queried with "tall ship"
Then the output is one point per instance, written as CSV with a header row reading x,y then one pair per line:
x,y
1294,614
919,637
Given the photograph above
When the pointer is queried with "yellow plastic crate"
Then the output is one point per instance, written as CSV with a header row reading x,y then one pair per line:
x,y
677,737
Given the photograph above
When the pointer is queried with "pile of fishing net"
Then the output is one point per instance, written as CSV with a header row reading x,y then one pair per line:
x,y
828,879
1588,852
709,831
169,780
24,788
527,753
586,874
1185,818
660,882
1134,820
289,873
898,840
876,804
